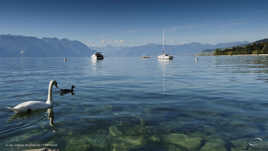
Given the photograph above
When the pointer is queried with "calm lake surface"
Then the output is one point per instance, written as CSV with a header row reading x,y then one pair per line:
x,y
217,103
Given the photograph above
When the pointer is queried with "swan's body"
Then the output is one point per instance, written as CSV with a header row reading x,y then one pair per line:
x,y
36,105
30,106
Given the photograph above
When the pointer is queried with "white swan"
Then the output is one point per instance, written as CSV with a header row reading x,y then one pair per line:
x,y
36,105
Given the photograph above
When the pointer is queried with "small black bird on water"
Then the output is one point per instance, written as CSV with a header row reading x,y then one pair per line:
x,y
65,91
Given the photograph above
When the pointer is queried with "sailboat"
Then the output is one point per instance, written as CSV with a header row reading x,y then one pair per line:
x,y
164,55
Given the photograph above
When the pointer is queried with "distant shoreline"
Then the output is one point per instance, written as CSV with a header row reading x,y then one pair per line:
x,y
257,48
238,55
247,55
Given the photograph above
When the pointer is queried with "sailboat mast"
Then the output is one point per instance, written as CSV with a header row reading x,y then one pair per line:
x,y
163,41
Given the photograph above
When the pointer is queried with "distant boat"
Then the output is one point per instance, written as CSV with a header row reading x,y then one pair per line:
x,y
97,56
145,57
65,59
196,59
164,55
21,52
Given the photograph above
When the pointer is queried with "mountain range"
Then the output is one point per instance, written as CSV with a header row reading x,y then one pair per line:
x,y
156,49
15,46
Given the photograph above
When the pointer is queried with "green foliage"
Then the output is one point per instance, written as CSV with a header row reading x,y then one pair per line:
x,y
265,49
253,48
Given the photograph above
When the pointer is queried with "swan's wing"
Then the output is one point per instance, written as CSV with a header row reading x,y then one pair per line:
x,y
30,105
25,104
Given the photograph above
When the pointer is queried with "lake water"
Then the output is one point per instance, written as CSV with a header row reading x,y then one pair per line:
x,y
217,103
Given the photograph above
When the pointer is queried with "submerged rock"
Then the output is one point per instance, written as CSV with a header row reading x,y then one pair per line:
x,y
172,147
126,136
240,144
87,142
214,145
154,139
113,131
123,143
183,141
249,145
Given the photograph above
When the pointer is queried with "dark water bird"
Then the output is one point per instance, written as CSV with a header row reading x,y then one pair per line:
x,y
66,91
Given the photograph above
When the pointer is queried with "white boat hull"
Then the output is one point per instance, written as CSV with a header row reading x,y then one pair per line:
x,y
165,57
97,57
94,57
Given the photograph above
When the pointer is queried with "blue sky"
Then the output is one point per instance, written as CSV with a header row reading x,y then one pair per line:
x,y
137,22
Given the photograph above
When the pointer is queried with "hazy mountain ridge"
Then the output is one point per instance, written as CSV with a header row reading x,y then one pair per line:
x,y
155,49
15,46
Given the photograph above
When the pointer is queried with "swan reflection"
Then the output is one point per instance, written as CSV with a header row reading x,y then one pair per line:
x,y
29,115
50,115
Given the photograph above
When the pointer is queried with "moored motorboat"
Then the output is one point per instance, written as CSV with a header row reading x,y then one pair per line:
x,y
97,56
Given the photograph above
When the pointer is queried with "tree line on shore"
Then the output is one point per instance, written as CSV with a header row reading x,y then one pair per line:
x,y
258,47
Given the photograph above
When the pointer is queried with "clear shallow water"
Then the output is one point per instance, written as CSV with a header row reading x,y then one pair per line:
x,y
138,104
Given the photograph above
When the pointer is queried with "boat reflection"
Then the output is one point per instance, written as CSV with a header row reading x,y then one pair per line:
x,y
96,64
163,65
196,59
95,61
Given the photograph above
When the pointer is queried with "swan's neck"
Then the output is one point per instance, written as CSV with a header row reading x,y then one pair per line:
x,y
49,96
